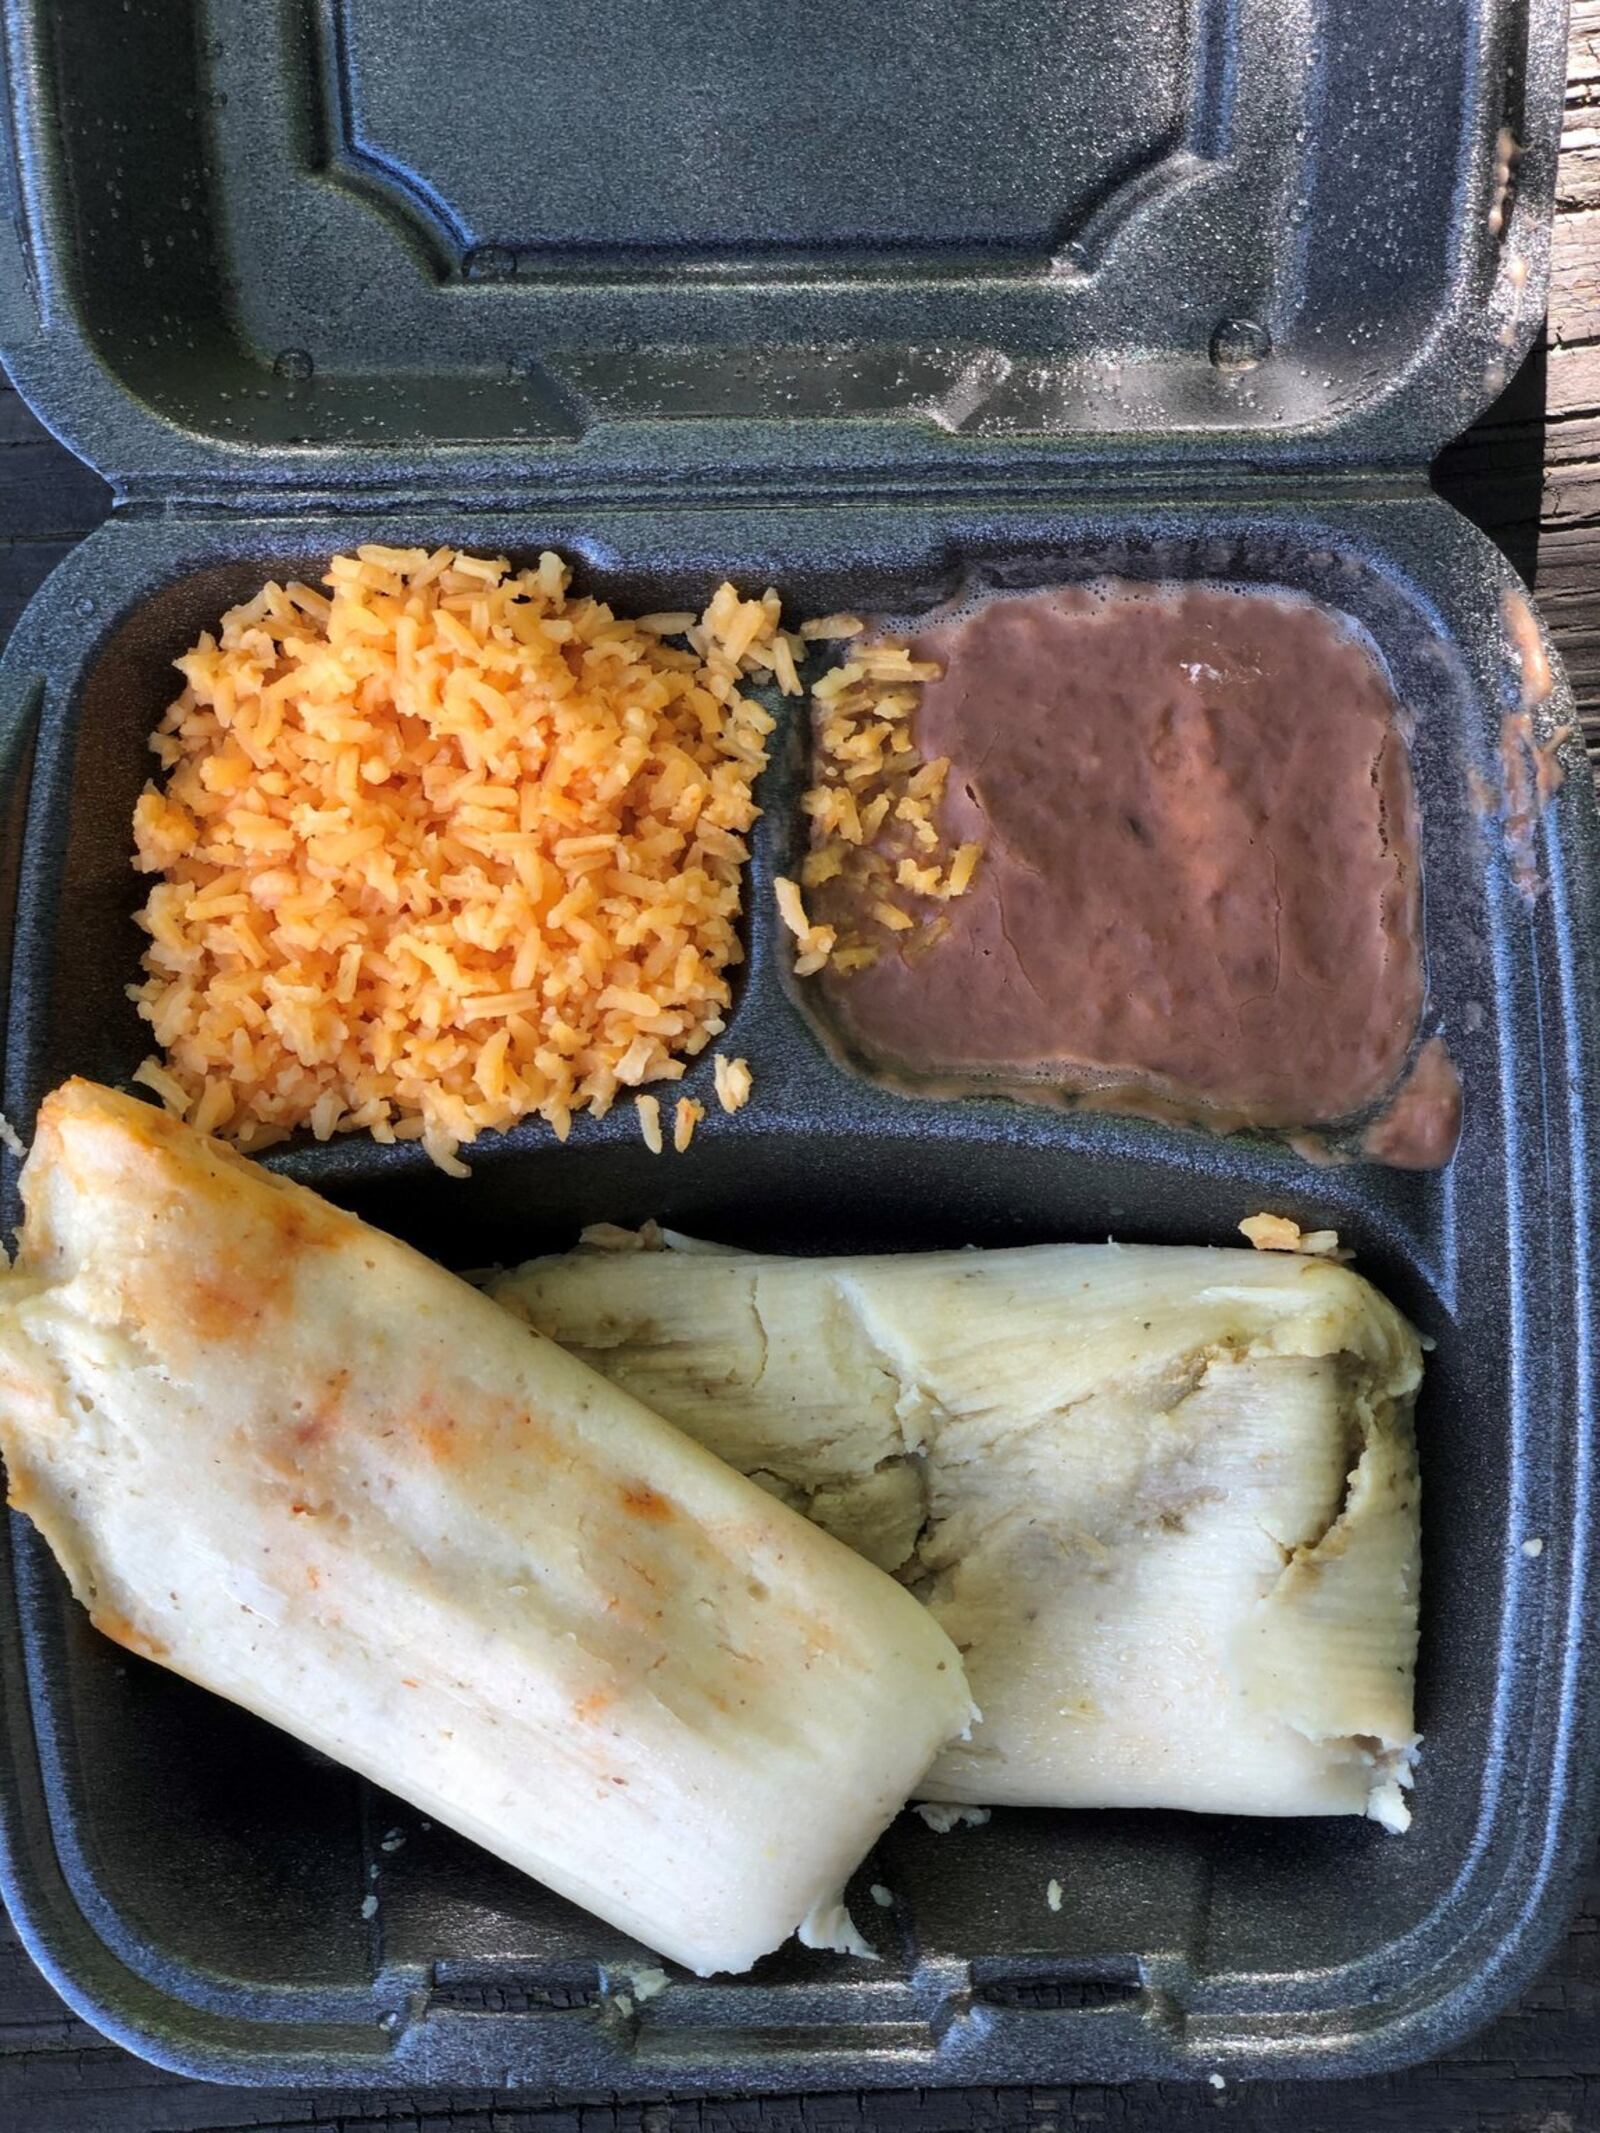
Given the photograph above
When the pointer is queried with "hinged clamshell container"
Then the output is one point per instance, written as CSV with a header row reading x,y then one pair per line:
x,y
859,302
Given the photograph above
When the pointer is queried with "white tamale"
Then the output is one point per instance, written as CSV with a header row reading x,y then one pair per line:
x,y
1163,1499
293,1460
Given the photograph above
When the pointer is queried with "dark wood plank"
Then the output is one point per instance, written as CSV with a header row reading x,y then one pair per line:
x,y
1529,473
1578,181
1568,573
45,494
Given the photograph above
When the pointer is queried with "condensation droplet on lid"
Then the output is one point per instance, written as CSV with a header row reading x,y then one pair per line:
x,y
1239,344
293,363
85,606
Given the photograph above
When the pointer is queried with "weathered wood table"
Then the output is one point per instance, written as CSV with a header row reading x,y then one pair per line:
x,y
1530,474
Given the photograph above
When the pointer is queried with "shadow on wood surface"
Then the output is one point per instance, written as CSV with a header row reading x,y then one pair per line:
x,y
1494,475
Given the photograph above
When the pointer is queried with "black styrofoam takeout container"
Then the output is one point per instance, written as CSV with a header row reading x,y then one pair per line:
x,y
857,302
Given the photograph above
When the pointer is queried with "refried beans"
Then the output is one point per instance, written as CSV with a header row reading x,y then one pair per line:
x,y
1199,878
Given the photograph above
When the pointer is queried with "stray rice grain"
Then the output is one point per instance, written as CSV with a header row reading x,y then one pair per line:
x,y
649,1110
732,1081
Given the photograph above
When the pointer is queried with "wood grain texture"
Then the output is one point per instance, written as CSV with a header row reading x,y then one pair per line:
x,y
1529,473
1568,577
